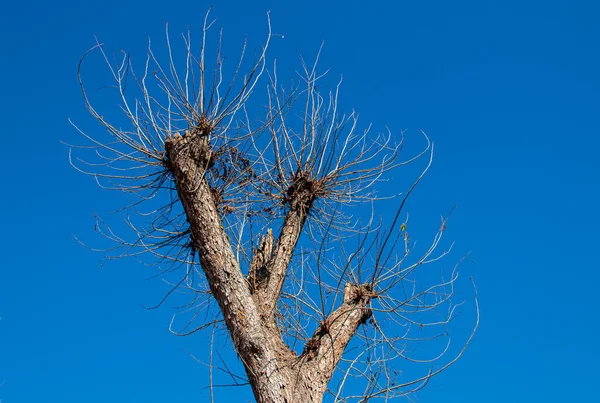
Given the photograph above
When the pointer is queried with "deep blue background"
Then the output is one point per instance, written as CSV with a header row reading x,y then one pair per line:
x,y
508,90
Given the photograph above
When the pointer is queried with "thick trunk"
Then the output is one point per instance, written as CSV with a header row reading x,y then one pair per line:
x,y
187,159
276,374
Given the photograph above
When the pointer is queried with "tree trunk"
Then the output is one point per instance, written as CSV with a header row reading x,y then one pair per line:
x,y
276,373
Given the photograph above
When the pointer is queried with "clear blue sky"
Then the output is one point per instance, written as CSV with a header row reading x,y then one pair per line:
x,y
508,90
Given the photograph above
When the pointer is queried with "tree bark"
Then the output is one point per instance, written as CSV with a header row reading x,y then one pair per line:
x,y
275,373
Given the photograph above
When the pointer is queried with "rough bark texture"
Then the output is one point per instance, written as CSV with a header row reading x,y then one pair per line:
x,y
248,304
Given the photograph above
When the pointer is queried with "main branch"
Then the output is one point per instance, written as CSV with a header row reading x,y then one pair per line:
x,y
187,160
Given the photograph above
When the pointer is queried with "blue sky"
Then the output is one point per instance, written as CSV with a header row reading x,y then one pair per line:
x,y
508,90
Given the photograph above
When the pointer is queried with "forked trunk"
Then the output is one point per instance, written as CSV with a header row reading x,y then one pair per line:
x,y
276,373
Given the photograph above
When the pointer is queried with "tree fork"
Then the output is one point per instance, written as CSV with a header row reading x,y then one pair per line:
x,y
186,160
275,373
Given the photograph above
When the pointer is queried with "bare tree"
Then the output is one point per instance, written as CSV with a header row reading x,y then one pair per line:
x,y
254,206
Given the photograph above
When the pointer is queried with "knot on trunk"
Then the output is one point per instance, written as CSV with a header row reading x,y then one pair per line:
x,y
192,150
359,296
354,294
303,191
203,127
